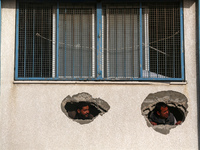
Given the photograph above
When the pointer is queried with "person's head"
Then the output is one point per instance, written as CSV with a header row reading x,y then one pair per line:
x,y
161,110
83,109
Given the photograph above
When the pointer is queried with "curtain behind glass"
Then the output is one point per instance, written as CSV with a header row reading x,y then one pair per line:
x,y
75,47
122,45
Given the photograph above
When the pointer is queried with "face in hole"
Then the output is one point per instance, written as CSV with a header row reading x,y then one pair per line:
x,y
84,112
163,113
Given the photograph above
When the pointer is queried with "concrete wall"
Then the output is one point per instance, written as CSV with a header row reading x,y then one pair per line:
x,y
31,116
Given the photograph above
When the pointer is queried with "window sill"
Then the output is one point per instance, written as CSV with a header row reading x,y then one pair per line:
x,y
101,82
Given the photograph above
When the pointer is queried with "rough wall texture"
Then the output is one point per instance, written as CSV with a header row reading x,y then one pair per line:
x,y
31,118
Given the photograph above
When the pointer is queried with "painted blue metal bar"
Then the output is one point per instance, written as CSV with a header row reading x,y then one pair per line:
x,y
57,42
17,41
141,60
83,79
33,42
182,49
99,40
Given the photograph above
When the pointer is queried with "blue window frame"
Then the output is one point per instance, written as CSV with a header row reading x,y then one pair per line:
x,y
99,41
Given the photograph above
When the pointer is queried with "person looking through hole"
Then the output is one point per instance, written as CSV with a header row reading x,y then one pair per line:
x,y
162,115
83,111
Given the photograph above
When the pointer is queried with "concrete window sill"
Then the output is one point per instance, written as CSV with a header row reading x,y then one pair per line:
x,y
101,82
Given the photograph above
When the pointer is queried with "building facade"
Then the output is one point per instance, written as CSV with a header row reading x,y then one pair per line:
x,y
120,52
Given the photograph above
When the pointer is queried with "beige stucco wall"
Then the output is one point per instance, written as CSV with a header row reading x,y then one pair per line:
x,y
31,116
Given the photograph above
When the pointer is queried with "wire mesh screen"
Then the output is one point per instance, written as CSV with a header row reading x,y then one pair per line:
x,y
161,55
35,52
121,42
161,41
77,42
123,26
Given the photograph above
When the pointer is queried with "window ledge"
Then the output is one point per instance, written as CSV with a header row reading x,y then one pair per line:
x,y
101,82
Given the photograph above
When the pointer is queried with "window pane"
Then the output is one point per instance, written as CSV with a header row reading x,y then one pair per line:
x,y
122,42
35,45
76,44
161,54
163,46
124,55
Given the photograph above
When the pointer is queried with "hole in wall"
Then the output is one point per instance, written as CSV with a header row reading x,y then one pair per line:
x,y
83,108
176,106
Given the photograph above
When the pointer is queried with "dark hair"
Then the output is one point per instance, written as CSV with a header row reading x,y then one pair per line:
x,y
159,105
80,105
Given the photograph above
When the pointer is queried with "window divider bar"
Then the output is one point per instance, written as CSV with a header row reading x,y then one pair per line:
x,y
141,64
99,40
182,34
57,41
17,42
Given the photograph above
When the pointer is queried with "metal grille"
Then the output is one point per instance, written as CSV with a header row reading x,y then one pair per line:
x,y
161,52
161,55
35,52
77,42
138,43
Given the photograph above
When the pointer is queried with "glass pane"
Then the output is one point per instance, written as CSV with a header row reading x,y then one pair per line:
x,y
75,42
121,50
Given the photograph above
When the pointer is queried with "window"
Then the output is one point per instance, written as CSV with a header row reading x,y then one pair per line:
x,y
99,41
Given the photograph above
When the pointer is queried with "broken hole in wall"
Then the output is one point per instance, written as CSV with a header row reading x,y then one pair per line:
x,y
177,106
83,108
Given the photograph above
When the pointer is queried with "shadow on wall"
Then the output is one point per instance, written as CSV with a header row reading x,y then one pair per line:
x,y
164,110
83,108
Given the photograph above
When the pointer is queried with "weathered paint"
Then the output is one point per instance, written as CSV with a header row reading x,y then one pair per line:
x,y
17,41
182,48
